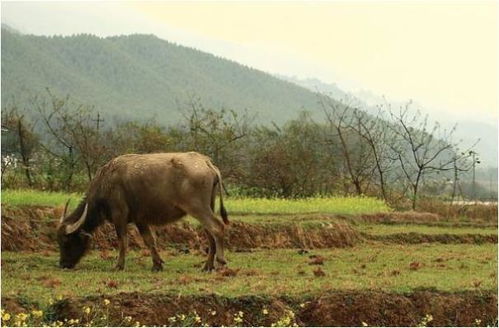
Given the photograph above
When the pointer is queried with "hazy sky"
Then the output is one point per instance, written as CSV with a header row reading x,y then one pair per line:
x,y
441,54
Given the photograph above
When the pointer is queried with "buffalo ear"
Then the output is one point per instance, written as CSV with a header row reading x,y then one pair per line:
x,y
70,228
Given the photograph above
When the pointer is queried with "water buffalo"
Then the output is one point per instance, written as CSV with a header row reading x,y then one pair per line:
x,y
151,189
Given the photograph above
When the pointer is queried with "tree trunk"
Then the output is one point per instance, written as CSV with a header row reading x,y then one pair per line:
x,y
23,152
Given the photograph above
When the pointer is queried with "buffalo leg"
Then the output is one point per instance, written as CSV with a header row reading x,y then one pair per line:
x,y
121,231
150,241
209,265
216,228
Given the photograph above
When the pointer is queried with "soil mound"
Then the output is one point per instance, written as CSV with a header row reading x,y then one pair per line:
x,y
402,217
343,308
419,238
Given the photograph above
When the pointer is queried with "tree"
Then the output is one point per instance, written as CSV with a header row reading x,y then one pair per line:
x,y
216,133
378,137
358,159
292,160
421,148
18,139
74,135
139,137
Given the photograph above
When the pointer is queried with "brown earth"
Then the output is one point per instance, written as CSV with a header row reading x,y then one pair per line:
x,y
33,229
426,218
344,308
409,216
419,238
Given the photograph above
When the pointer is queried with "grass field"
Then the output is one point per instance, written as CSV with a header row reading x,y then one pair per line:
x,y
409,279
267,272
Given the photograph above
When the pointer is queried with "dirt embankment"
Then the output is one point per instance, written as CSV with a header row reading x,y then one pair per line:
x,y
426,218
419,238
345,308
34,229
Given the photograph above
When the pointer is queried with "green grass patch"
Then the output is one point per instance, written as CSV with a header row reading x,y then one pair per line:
x,y
336,205
35,197
395,268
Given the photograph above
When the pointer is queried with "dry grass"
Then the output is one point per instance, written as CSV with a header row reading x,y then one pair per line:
x,y
449,211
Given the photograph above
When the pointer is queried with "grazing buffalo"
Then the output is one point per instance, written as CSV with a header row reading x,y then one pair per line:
x,y
151,189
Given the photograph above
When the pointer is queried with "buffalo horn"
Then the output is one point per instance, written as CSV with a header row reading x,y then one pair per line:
x,y
65,211
70,228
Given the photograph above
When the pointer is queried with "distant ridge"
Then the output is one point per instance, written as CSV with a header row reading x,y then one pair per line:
x,y
10,28
142,76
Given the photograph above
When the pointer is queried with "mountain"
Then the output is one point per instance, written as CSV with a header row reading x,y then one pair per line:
x,y
142,76
317,85
467,131
10,28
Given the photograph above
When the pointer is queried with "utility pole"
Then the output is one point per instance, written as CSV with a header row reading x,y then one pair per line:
x,y
454,185
98,120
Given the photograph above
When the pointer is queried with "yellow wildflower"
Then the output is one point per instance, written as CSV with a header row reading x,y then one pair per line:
x,y
172,319
86,309
6,316
182,317
107,302
137,324
128,318
241,314
37,313
22,316
213,312
197,319
238,320
265,311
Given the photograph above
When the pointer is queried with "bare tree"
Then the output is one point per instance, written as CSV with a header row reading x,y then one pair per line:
x,y
75,135
357,158
20,139
375,132
421,148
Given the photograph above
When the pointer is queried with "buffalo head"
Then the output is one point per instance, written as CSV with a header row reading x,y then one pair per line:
x,y
73,241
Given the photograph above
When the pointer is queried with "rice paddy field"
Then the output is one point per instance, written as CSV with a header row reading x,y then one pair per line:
x,y
310,262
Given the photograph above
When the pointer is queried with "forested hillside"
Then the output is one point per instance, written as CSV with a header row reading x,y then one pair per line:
x,y
141,76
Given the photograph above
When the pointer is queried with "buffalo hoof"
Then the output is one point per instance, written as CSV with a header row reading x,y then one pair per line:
x,y
208,267
221,264
157,268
